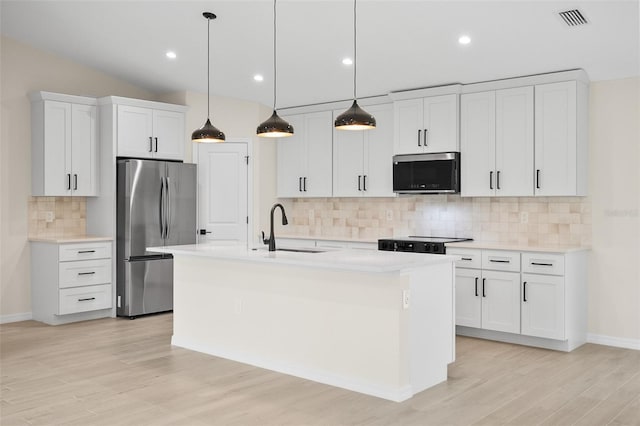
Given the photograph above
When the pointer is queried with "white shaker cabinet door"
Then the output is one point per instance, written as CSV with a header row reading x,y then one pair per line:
x,y
348,162
291,159
84,150
409,125
440,124
468,297
319,136
477,144
543,306
57,148
514,142
555,139
501,301
135,132
168,135
378,154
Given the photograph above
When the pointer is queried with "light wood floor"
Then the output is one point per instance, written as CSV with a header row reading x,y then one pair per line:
x,y
122,372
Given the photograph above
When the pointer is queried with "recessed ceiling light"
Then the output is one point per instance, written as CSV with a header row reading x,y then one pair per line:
x,y
347,61
464,39
171,55
258,77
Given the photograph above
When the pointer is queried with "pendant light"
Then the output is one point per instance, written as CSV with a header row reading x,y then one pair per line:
x,y
274,126
208,133
355,118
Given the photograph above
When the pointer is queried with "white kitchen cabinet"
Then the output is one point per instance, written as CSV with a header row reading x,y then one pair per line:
x,y
561,145
304,160
468,297
150,133
428,124
501,301
362,160
63,145
71,281
543,306
496,142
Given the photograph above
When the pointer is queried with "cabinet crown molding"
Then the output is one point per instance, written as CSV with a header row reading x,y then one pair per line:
x,y
119,100
60,97
426,92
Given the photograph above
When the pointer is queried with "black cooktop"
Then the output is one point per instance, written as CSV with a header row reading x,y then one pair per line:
x,y
418,244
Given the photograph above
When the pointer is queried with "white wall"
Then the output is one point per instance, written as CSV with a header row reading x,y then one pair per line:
x,y
614,186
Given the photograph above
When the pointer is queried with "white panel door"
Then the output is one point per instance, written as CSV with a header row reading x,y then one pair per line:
x,y
168,134
83,151
318,131
468,298
501,301
514,142
222,191
135,132
408,121
290,160
57,148
348,162
543,306
555,139
378,154
441,123
477,144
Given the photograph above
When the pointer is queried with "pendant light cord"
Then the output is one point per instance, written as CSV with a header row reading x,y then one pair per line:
x,y
208,66
275,76
355,44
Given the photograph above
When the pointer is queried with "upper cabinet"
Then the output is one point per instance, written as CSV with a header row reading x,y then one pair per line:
x,y
362,165
63,145
496,143
150,132
426,124
561,142
525,136
304,160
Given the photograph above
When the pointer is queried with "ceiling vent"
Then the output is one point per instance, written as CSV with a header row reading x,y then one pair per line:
x,y
573,18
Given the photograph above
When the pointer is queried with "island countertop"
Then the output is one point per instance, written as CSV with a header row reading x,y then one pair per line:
x,y
346,259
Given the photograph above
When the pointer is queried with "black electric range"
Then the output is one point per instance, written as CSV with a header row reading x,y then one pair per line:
x,y
416,244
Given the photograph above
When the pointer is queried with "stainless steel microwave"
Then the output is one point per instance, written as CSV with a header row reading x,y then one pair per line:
x,y
437,173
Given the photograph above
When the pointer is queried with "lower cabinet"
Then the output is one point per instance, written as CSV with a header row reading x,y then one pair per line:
x,y
530,298
71,281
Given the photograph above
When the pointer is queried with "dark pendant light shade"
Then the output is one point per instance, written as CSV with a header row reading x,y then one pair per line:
x,y
355,118
274,127
208,133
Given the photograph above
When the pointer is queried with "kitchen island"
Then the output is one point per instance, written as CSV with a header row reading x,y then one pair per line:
x,y
379,323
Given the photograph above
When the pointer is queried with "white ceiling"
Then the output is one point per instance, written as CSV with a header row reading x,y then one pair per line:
x,y
401,44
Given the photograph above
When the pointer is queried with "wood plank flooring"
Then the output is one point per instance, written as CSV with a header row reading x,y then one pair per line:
x,y
122,372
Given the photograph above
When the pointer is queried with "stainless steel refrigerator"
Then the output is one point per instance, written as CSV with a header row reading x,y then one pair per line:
x,y
156,206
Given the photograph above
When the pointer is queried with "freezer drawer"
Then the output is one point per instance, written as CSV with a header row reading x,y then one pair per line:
x,y
146,287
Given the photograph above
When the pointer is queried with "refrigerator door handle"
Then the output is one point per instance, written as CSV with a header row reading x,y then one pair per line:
x,y
161,208
168,204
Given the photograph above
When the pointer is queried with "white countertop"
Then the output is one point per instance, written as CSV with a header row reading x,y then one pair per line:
x,y
347,259
341,239
64,240
547,248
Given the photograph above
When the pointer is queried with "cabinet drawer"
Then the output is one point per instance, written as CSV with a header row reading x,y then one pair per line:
x,y
543,263
499,260
84,272
83,251
467,258
83,299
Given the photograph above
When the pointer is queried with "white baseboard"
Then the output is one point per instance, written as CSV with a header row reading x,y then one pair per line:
x,y
25,316
618,342
398,394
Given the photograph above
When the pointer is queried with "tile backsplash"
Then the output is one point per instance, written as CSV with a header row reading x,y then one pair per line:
x,y
68,219
522,220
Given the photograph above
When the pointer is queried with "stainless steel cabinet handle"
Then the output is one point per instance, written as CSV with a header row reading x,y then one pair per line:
x,y
75,182
86,273
156,144
359,183
86,251
491,180
69,181
86,299
364,182
150,144
524,291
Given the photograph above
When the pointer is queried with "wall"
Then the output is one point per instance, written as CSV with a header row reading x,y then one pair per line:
x,y
23,70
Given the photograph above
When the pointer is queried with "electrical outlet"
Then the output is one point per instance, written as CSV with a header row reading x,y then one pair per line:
x,y
405,299
49,217
389,214
524,217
